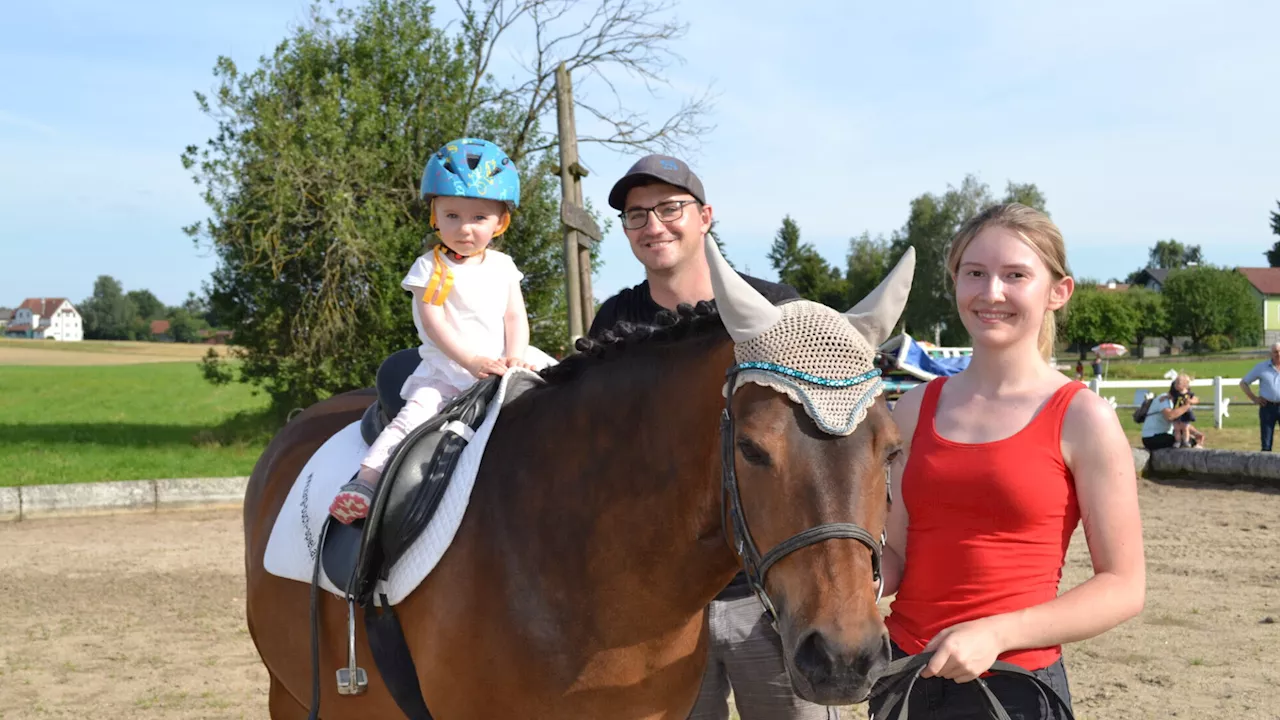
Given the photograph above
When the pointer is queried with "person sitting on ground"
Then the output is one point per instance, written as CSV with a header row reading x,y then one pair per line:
x,y
1184,433
467,304
1157,427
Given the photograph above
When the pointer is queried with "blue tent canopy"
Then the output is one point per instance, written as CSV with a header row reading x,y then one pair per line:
x,y
913,359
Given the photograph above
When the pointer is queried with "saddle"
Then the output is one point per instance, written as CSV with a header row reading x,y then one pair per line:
x,y
357,556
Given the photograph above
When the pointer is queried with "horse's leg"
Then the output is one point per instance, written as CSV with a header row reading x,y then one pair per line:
x,y
282,705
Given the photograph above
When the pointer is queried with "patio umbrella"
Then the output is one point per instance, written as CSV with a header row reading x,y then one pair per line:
x,y
1108,351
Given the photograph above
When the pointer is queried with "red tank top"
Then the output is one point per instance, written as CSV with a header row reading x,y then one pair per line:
x,y
988,526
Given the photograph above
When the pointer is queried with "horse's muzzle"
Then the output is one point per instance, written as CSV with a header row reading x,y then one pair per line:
x,y
834,674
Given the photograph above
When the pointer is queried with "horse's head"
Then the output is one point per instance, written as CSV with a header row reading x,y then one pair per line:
x,y
807,443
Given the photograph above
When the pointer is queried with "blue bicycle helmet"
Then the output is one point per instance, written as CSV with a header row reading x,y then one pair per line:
x,y
471,167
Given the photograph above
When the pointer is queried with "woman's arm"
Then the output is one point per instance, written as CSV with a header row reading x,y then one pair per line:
x,y
1099,457
1170,413
906,413
450,343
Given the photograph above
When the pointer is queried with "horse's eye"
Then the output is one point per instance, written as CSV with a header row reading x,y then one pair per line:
x,y
753,454
893,455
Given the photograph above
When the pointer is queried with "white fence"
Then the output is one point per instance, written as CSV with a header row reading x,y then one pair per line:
x,y
1220,403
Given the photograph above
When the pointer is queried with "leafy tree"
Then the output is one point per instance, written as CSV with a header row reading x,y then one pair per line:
x,y
1097,316
1204,301
185,327
312,177
1027,194
1173,255
1152,317
714,232
869,260
784,254
1273,255
197,307
147,305
108,314
802,267
931,224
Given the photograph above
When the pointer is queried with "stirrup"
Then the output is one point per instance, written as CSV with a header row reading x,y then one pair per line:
x,y
352,680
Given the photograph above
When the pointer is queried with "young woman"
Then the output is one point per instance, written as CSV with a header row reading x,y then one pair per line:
x,y
1001,462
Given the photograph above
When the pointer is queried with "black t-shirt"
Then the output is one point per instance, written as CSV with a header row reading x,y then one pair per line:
x,y
636,305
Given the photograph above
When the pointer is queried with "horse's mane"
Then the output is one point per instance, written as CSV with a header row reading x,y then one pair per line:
x,y
687,321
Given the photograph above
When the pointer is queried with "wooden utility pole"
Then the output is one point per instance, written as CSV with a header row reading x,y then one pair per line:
x,y
580,230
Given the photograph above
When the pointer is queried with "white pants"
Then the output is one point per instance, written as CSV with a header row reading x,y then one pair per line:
x,y
423,399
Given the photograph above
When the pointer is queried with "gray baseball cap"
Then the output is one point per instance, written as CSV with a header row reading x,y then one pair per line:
x,y
661,168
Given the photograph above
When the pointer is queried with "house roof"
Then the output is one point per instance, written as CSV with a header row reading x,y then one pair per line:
x,y
159,327
18,328
1160,275
42,306
6,313
1265,279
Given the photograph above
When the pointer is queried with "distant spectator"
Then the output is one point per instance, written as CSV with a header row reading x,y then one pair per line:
x,y
1185,433
1267,373
1097,366
1157,428
1080,370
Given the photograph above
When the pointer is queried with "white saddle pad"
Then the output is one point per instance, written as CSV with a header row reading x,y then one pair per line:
x,y
292,546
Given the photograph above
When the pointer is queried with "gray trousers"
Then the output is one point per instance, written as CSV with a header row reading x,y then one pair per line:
x,y
746,656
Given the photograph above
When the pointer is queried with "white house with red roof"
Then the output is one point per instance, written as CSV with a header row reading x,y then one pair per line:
x,y
46,319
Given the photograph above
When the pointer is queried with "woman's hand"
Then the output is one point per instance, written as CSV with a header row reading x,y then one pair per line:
x,y
965,651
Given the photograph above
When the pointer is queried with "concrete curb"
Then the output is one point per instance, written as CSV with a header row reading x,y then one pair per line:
x,y
10,504
71,499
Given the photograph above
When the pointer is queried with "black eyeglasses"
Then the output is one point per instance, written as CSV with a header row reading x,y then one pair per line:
x,y
666,212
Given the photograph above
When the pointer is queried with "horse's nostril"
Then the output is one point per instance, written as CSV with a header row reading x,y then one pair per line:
x,y
814,658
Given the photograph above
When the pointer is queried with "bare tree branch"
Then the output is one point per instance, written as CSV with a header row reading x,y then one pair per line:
x,y
632,37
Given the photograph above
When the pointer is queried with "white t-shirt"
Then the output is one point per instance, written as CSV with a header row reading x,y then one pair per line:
x,y
475,308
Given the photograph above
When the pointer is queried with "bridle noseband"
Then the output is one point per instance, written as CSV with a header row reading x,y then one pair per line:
x,y
754,565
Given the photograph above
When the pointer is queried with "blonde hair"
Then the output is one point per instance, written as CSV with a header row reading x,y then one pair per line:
x,y
1037,231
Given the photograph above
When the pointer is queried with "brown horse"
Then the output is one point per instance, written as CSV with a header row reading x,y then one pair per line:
x,y
593,541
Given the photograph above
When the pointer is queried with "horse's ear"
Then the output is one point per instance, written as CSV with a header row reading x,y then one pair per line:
x,y
744,311
876,315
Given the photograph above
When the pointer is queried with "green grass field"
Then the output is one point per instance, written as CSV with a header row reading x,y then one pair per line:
x,y
124,422
89,423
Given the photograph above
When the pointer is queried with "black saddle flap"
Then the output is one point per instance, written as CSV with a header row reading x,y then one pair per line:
x,y
412,485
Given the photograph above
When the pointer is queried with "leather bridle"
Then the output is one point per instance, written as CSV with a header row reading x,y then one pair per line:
x,y
755,565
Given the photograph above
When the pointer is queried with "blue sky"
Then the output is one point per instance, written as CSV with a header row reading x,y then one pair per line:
x,y
1139,121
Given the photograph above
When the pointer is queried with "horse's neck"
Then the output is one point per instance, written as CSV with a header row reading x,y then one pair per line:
x,y
659,513
619,495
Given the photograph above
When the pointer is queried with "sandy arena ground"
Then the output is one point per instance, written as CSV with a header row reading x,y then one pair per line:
x,y
142,616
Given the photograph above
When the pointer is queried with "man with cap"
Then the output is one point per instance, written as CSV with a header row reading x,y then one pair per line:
x,y
665,216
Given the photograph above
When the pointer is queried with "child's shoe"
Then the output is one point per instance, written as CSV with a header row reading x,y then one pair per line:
x,y
352,502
